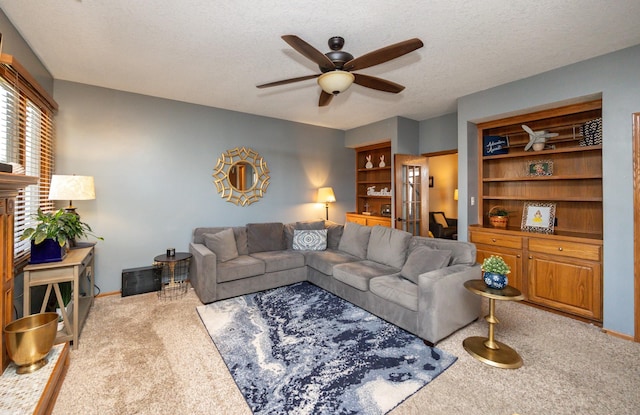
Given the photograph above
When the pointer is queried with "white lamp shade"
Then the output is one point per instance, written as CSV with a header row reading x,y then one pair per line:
x,y
335,82
325,195
72,188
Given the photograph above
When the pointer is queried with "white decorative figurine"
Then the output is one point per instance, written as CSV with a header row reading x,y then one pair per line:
x,y
369,164
382,163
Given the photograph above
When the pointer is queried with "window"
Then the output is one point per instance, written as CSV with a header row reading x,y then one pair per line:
x,y
26,138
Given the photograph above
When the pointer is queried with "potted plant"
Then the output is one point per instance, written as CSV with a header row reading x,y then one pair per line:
x,y
52,233
495,272
498,217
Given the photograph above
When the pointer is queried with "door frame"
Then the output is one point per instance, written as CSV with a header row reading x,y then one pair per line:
x,y
636,221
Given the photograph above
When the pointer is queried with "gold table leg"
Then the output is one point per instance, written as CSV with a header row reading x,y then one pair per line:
x,y
490,351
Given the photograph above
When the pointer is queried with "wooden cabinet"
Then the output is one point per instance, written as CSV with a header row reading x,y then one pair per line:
x,y
560,273
9,185
368,220
373,184
561,270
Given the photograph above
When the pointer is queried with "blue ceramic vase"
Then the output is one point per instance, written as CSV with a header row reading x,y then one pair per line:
x,y
495,281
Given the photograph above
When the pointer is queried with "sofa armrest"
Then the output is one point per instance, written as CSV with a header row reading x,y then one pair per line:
x,y
444,305
452,222
203,272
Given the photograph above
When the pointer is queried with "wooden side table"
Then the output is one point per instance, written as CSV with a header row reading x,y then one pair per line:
x,y
77,265
487,349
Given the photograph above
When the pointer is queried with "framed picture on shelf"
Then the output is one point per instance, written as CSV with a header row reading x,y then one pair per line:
x,y
540,168
538,217
494,145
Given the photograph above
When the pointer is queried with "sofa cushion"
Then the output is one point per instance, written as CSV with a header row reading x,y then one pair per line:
x,y
264,237
238,268
357,274
334,233
388,246
396,289
223,244
289,229
355,239
315,240
280,260
240,232
324,261
424,259
462,253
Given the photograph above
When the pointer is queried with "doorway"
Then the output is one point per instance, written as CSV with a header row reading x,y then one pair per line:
x,y
443,182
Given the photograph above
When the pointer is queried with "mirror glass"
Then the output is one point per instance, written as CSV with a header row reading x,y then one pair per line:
x,y
241,176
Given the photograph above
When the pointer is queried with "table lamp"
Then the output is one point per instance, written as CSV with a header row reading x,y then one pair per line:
x,y
64,187
326,196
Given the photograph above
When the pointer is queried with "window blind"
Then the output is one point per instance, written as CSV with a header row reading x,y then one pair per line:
x,y
27,137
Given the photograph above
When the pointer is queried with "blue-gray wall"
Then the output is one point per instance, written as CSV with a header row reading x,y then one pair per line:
x,y
153,160
616,77
439,134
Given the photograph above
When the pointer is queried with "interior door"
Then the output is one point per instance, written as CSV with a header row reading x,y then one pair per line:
x,y
411,184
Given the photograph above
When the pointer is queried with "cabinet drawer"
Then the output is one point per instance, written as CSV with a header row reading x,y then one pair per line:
x,y
565,248
360,220
506,241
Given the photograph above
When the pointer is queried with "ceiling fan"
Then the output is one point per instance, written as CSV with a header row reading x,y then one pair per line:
x,y
336,66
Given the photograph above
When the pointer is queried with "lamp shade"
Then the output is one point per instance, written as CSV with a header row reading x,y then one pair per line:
x,y
335,82
325,195
65,187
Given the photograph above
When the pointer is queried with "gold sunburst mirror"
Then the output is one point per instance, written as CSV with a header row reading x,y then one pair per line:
x,y
241,176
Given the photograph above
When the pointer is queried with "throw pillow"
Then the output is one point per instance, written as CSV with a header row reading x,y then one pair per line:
x,y
355,239
388,246
423,259
301,225
310,240
264,237
223,244
440,219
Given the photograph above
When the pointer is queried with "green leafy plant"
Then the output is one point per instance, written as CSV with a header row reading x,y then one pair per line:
x,y
496,265
498,211
60,226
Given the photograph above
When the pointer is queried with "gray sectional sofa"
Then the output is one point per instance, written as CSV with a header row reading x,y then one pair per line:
x,y
413,282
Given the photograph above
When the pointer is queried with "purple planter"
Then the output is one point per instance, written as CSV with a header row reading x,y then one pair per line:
x,y
47,251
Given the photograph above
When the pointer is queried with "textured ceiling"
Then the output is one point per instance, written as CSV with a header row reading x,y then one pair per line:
x,y
214,52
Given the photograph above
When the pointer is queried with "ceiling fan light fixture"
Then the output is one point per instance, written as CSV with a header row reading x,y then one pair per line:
x,y
335,82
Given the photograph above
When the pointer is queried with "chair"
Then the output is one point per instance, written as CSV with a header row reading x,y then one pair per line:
x,y
443,227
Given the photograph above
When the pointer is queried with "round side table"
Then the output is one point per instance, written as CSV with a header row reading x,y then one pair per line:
x,y
487,349
175,274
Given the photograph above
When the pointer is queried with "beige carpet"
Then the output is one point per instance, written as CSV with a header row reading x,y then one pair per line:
x,y
142,355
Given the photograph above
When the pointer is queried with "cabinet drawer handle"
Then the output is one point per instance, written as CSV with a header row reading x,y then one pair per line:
x,y
493,239
518,256
530,257
560,249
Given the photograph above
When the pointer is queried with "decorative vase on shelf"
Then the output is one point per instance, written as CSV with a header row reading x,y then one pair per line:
x,y
496,281
382,163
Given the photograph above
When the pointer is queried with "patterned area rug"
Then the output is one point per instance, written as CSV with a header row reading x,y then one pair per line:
x,y
301,350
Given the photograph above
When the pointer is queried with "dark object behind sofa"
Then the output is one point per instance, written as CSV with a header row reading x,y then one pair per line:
x,y
437,221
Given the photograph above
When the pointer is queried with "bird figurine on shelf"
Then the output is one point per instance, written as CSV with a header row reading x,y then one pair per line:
x,y
537,139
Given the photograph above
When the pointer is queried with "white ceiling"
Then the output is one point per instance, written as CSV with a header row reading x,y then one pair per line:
x,y
214,52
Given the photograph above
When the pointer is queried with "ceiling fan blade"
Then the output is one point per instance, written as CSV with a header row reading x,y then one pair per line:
x,y
383,55
377,83
309,51
288,81
325,99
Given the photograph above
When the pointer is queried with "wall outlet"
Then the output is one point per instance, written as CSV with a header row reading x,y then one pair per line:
x,y
473,201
